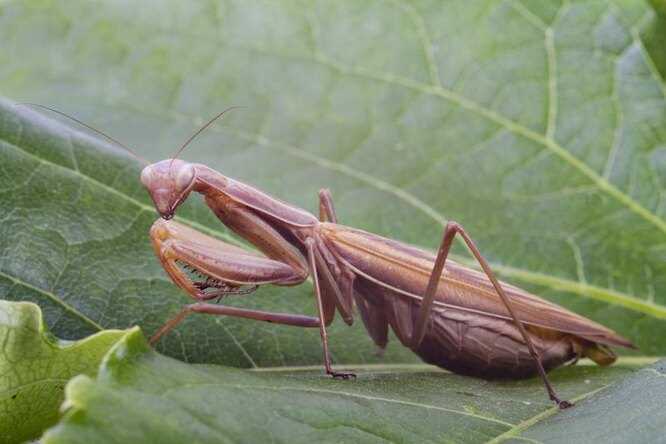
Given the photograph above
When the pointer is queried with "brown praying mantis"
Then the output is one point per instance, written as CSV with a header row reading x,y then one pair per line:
x,y
451,316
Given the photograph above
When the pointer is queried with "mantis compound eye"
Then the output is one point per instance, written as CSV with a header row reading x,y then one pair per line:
x,y
184,177
147,175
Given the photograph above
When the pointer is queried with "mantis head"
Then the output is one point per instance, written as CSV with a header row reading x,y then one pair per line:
x,y
168,182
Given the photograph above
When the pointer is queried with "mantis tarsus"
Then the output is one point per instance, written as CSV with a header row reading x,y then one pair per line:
x,y
450,315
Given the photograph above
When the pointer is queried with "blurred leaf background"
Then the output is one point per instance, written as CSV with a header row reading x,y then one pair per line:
x,y
541,127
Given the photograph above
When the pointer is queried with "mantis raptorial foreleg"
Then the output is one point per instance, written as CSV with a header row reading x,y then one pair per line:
x,y
451,229
228,264
225,263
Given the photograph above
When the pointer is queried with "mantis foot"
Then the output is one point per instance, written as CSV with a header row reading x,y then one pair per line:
x,y
564,404
561,404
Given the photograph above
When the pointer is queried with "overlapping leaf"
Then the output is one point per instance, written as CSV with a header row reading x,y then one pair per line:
x,y
34,368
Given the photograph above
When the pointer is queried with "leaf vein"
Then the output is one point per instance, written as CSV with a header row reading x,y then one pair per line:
x,y
239,345
52,297
649,61
551,58
426,41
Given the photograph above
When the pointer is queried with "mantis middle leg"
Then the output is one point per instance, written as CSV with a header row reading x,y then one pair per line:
x,y
344,292
453,228
315,260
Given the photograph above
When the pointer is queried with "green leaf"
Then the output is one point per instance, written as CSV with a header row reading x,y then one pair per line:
x,y
654,36
34,368
142,396
540,127
630,411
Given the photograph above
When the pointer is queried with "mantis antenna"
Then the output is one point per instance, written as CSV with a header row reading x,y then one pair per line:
x,y
121,145
200,130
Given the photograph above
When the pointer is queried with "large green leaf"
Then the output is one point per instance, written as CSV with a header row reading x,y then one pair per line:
x,y
539,127
34,368
141,396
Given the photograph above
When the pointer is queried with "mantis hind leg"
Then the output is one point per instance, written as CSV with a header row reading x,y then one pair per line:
x,y
453,228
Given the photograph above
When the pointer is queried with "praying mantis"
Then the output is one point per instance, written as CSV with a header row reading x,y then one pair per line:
x,y
457,318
